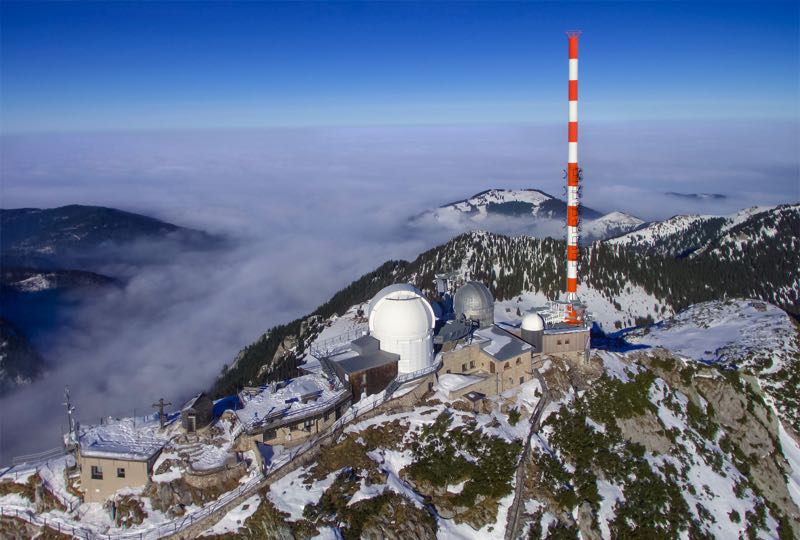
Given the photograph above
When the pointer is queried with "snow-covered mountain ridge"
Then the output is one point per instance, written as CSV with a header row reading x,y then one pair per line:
x,y
684,235
623,287
522,211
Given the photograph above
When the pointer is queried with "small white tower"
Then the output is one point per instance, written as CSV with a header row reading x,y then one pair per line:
x,y
532,330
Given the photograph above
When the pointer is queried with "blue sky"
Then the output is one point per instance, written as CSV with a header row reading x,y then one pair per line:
x,y
98,66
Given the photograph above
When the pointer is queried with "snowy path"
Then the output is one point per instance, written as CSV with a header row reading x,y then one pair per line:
x,y
515,512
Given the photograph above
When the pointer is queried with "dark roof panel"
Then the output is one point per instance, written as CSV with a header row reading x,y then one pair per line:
x,y
367,361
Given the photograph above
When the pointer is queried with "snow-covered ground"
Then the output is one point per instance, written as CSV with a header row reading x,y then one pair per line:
x,y
743,332
234,520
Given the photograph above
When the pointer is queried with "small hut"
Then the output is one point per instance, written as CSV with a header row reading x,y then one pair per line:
x,y
197,413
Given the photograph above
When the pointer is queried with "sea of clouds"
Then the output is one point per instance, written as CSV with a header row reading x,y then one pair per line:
x,y
306,211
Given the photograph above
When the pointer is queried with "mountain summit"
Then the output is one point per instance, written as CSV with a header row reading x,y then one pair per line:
x,y
522,211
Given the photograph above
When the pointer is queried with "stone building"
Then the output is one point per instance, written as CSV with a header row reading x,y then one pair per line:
x,y
197,413
494,360
287,414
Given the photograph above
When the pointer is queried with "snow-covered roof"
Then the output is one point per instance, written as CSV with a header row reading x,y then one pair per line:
x,y
500,344
454,381
268,407
122,440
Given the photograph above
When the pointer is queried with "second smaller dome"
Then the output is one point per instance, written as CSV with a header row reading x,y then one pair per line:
x,y
474,301
533,322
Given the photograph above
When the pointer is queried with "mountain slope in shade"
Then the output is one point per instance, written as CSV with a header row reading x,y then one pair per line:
x,y
76,235
20,364
522,211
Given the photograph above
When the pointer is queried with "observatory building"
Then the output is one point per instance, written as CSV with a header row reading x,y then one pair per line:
x,y
396,346
474,302
402,321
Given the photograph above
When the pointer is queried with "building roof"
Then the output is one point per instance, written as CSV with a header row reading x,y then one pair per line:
x,y
452,331
371,360
500,344
564,328
400,311
365,344
267,406
192,402
122,440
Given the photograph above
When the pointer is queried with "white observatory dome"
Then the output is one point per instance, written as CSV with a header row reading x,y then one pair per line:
x,y
474,301
533,322
402,320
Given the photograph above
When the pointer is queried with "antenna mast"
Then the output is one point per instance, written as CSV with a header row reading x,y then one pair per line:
x,y
573,181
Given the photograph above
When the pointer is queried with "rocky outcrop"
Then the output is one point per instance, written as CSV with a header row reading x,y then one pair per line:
x,y
172,497
647,431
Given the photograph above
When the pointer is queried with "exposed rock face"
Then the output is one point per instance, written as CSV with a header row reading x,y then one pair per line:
x,y
647,431
398,519
587,523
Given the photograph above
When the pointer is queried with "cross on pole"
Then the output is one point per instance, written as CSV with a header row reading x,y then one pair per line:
x,y
160,406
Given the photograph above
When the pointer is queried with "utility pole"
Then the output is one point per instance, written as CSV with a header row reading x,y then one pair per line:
x,y
160,406
70,410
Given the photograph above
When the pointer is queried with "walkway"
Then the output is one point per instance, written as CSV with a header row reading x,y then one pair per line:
x,y
515,512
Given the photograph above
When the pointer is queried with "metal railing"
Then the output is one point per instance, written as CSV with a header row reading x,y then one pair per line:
x,y
39,456
329,347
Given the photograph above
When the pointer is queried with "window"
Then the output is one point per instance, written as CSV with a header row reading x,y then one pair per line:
x,y
97,472
519,361
463,367
448,371
120,472
471,364
558,342
522,379
327,415
270,434
566,342
307,425
491,367
507,366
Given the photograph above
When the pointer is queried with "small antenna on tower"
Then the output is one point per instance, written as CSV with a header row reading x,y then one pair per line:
x,y
160,406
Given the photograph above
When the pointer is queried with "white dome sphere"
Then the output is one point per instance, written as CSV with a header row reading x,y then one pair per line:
x,y
402,320
533,322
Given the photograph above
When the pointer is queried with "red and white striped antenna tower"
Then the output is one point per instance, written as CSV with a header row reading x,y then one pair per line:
x,y
573,180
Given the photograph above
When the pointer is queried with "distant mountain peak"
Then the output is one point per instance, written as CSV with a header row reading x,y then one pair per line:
x,y
527,211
